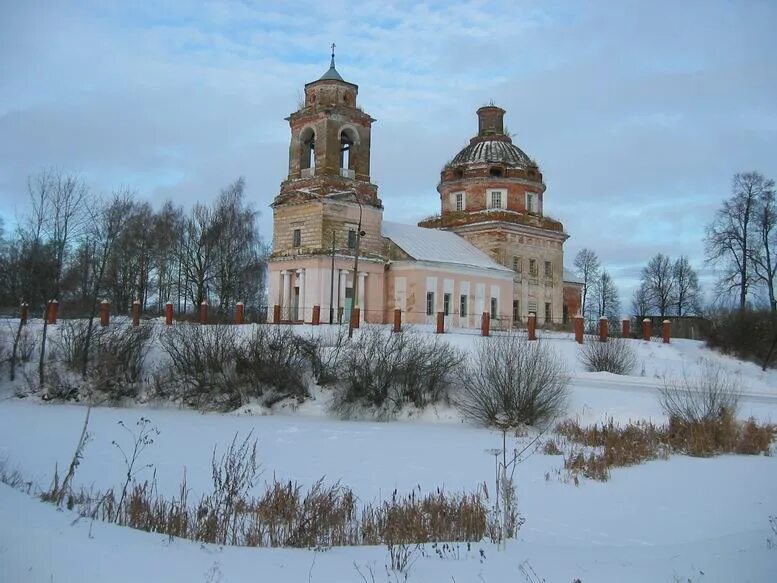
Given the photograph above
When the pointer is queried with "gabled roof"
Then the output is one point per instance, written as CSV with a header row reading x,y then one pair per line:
x,y
438,246
570,277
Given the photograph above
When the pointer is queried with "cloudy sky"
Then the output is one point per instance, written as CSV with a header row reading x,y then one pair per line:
x,y
638,113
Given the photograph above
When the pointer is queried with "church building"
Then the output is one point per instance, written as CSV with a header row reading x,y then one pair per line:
x,y
491,249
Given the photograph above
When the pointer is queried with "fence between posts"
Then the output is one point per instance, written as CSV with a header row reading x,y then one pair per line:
x,y
442,322
53,313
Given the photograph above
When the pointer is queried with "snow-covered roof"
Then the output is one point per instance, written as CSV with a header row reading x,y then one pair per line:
x,y
570,276
440,246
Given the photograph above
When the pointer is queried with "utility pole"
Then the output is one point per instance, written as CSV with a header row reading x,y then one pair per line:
x,y
332,287
355,303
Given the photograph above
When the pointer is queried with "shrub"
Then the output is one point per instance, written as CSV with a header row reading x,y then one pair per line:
x,y
616,355
510,381
70,344
275,363
327,354
384,372
121,352
202,359
748,334
708,395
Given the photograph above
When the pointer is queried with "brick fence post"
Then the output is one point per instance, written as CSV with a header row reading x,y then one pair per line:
x,y
240,313
204,312
136,313
397,320
647,331
316,315
626,328
52,313
579,327
276,314
169,314
440,323
603,329
665,331
23,313
532,324
355,317
105,313
485,324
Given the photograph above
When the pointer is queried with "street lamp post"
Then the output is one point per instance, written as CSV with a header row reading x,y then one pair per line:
x,y
355,304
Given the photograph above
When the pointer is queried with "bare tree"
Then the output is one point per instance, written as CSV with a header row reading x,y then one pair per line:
x,y
640,302
107,222
606,298
763,252
199,246
688,291
587,266
730,237
659,281
239,265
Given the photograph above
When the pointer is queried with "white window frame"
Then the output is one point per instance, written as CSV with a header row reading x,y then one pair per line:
x,y
502,198
548,269
459,200
430,303
532,202
517,264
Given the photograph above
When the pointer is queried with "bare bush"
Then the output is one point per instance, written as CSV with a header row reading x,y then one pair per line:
x,y
747,334
616,355
72,342
384,372
275,364
325,360
202,359
510,381
121,352
705,396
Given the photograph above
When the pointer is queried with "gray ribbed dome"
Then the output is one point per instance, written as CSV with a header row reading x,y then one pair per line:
x,y
498,151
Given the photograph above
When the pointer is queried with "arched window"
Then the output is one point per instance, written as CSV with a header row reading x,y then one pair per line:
x,y
348,146
495,172
307,140
458,173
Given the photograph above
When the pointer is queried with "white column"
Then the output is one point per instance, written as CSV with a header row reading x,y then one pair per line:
x,y
342,284
301,310
285,276
362,296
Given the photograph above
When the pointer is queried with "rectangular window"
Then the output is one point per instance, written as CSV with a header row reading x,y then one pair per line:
x,y
297,238
496,199
352,239
533,308
533,267
459,201
516,311
446,304
463,306
548,269
531,202
548,314
517,264
429,303
494,312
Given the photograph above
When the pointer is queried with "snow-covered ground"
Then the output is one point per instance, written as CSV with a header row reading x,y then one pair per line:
x,y
675,520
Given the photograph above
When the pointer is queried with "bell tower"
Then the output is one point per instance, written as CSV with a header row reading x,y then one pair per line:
x,y
328,210
330,141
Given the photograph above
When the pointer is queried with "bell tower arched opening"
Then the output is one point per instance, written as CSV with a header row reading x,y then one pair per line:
x,y
307,162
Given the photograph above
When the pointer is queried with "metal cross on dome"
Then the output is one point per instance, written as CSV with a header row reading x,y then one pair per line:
x,y
333,54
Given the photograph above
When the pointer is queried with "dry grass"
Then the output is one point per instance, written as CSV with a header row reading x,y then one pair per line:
x,y
598,448
285,515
